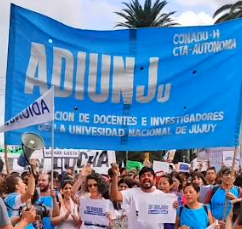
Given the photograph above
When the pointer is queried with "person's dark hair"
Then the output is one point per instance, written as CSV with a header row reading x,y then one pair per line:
x,y
168,177
102,185
211,168
238,181
24,174
35,197
15,174
199,175
128,181
122,169
236,211
186,175
1,165
146,169
176,176
225,170
195,186
70,182
49,176
203,173
239,219
110,172
9,184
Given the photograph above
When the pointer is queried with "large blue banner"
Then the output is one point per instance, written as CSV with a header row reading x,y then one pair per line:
x,y
144,89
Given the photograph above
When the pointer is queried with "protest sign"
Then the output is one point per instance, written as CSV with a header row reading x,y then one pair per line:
x,y
131,165
161,166
216,158
228,155
117,94
157,208
99,160
94,212
121,223
201,165
183,167
202,155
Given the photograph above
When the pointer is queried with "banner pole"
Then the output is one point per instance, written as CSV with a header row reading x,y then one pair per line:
x,y
53,140
231,175
6,160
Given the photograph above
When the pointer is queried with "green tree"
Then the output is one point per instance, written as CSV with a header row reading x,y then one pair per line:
x,y
228,12
149,15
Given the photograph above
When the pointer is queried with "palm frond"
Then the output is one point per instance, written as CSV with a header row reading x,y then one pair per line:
x,y
147,16
222,9
225,17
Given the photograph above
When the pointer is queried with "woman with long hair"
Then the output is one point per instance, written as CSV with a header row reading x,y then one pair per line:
x,y
165,184
96,187
198,179
69,215
194,214
18,194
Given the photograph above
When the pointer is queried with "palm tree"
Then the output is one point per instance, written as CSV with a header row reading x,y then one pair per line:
x,y
149,15
229,12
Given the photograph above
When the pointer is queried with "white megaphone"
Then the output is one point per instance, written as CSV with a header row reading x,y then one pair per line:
x,y
30,143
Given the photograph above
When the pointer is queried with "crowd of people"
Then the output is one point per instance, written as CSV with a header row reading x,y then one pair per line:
x,y
202,199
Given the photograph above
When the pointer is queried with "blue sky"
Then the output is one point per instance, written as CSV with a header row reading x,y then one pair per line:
x,y
97,15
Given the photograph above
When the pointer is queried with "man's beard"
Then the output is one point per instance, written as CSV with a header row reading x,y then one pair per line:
x,y
44,189
146,187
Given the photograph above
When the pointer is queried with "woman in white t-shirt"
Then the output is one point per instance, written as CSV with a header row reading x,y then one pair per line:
x,y
69,215
96,187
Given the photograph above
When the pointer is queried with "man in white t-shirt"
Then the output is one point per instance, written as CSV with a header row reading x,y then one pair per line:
x,y
134,197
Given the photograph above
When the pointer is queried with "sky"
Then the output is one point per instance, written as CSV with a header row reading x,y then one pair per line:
x,y
95,15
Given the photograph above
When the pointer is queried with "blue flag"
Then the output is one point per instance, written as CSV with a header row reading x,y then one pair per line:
x,y
140,89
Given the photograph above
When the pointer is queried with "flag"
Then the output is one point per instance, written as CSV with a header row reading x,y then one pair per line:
x,y
40,111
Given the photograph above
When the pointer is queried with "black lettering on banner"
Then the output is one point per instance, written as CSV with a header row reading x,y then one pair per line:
x,y
103,159
79,161
44,106
92,160
35,108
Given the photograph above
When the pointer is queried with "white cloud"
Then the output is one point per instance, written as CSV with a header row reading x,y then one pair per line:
x,y
189,18
213,4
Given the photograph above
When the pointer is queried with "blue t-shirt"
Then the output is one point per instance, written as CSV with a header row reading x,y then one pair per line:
x,y
48,202
13,203
193,218
218,202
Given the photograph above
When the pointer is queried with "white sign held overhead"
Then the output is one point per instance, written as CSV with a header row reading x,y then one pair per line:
x,y
183,167
228,155
216,158
161,166
203,155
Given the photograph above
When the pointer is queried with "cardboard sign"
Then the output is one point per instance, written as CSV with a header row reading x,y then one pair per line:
x,y
161,166
183,167
203,155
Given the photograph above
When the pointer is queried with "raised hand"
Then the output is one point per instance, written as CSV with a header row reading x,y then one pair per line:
x,y
115,169
87,170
